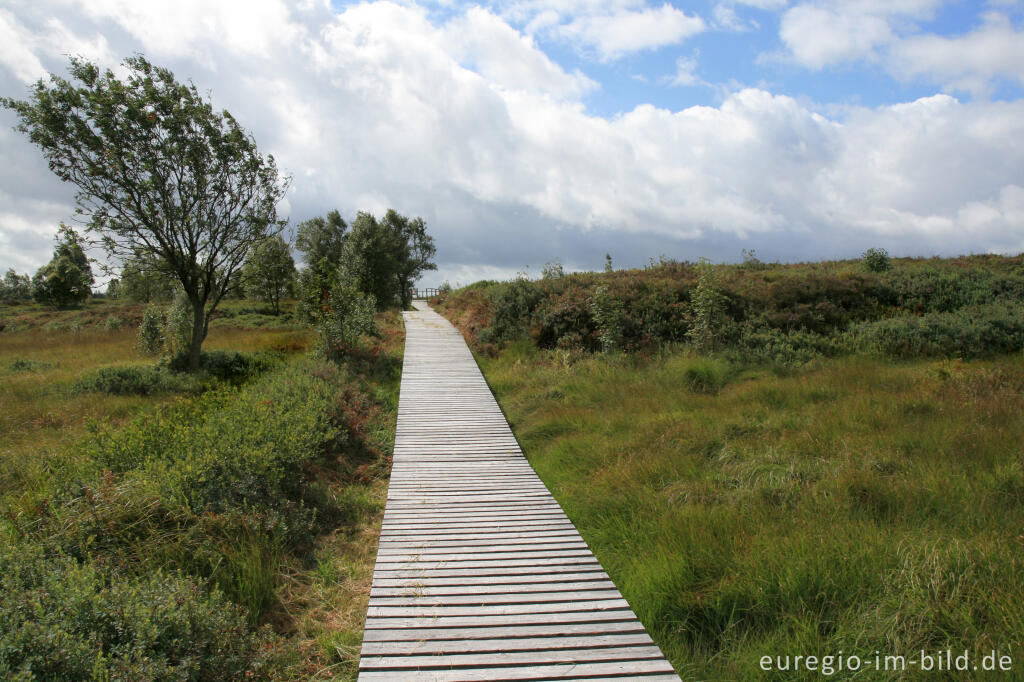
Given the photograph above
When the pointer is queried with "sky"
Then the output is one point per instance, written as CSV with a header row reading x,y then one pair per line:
x,y
530,130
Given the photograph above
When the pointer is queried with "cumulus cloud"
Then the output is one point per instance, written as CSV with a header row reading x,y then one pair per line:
x,y
383,105
620,33
822,34
968,62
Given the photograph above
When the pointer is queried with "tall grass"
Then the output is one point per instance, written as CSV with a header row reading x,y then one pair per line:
x,y
858,505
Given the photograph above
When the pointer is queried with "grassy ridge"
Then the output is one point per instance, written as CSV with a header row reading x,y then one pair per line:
x,y
844,473
210,530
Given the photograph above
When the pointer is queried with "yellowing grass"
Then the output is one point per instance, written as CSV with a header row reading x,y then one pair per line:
x,y
858,506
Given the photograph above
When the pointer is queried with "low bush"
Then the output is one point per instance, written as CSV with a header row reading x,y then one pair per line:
x,y
128,380
23,365
65,620
231,366
978,331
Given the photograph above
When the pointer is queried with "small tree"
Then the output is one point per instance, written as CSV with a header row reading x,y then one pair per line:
x,y
15,287
609,318
349,317
416,252
67,279
552,269
876,260
708,309
159,174
269,273
150,338
608,263
369,260
321,242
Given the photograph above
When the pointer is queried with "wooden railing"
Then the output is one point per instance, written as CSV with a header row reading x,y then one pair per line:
x,y
419,294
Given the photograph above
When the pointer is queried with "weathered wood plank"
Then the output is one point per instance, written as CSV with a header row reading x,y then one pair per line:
x,y
479,574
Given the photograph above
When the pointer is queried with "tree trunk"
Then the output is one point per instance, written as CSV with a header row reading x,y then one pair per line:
x,y
198,335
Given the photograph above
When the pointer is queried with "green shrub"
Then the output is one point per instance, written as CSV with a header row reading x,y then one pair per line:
x,y
127,380
512,306
609,317
150,338
789,350
972,332
227,365
24,365
61,620
876,260
708,306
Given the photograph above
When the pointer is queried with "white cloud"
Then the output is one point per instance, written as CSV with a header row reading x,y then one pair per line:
x,y
507,58
823,34
618,34
966,63
379,107
16,51
686,73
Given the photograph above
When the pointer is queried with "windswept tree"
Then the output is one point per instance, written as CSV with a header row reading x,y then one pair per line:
x,y
385,257
159,173
269,272
320,240
67,279
416,255
369,260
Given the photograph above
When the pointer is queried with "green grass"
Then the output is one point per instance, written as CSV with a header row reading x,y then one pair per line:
x,y
856,505
250,496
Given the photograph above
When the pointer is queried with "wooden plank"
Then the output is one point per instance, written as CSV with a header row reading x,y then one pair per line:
x,y
479,574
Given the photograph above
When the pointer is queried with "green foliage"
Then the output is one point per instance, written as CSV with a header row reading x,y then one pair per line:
x,y
67,279
269,272
62,620
708,309
552,269
384,258
15,287
24,365
512,305
350,317
178,327
976,331
876,260
609,318
608,263
227,365
144,281
150,337
160,174
128,380
321,241
931,289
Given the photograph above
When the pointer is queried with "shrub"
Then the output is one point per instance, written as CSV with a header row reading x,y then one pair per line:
x,y
972,332
708,306
349,318
22,365
512,306
789,350
609,317
876,260
227,365
150,339
61,620
129,380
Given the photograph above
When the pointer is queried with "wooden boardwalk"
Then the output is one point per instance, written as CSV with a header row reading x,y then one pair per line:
x,y
479,574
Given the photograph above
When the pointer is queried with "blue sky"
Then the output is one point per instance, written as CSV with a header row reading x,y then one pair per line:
x,y
533,129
